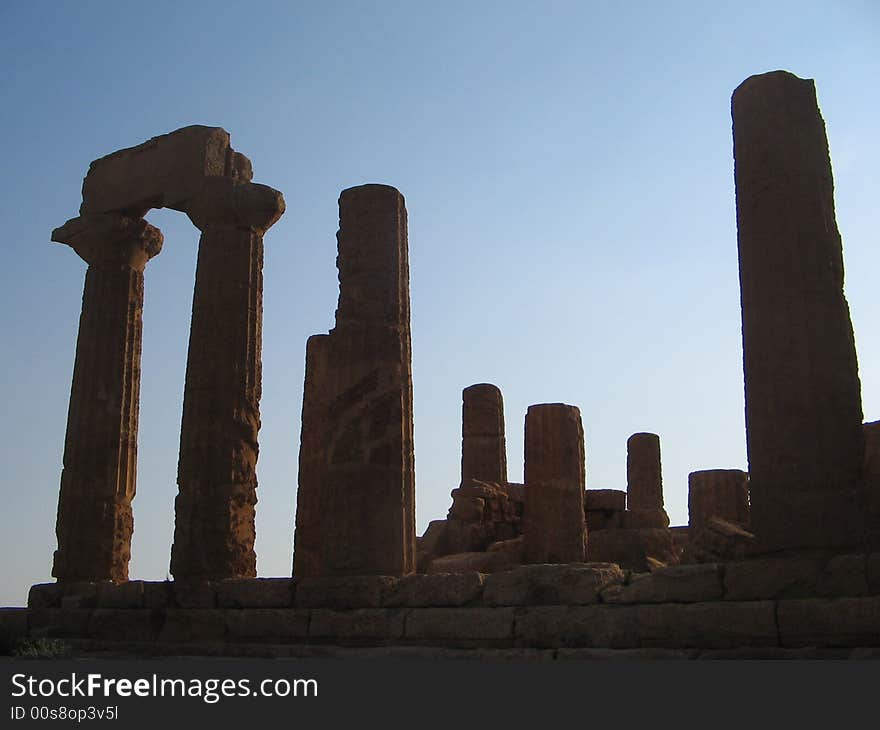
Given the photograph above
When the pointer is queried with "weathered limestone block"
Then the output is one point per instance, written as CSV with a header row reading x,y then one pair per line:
x,y
441,589
214,510
59,623
638,550
577,626
121,595
359,591
604,508
553,519
124,624
829,622
644,480
483,446
363,407
795,577
98,481
164,172
255,593
465,625
803,402
711,625
720,493
193,594
612,500
678,584
45,595
480,562
358,626
569,584
191,625
718,541
266,624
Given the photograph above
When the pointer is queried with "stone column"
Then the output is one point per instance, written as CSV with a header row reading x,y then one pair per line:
x,y
94,522
367,499
720,493
483,448
644,480
553,515
802,391
214,509
312,460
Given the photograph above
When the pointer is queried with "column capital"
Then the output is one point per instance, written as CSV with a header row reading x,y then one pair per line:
x,y
111,239
227,202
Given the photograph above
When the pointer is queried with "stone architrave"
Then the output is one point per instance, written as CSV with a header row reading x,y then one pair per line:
x,y
214,509
98,481
720,493
644,481
483,447
554,527
802,390
312,460
365,490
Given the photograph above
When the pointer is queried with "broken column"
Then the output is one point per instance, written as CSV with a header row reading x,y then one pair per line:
x,y
214,509
553,516
802,391
720,493
94,521
312,460
644,483
366,487
483,448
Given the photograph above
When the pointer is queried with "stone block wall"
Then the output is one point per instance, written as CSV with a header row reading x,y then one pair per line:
x,y
772,607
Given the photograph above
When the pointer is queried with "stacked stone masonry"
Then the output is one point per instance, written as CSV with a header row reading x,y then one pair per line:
x,y
771,605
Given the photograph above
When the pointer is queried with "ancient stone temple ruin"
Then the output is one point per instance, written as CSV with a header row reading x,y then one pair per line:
x,y
775,562
196,171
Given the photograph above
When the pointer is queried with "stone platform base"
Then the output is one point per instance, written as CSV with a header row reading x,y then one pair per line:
x,y
773,608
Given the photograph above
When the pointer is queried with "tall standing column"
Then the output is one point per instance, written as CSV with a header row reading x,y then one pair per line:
x,y
483,447
312,460
553,515
367,498
98,481
802,391
644,478
214,509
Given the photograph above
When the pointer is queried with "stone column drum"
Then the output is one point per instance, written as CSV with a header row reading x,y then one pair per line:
x,y
359,394
720,493
553,515
483,447
98,481
644,480
312,460
802,390
214,510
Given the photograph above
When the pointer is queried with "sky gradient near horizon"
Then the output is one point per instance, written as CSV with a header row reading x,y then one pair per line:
x,y
568,173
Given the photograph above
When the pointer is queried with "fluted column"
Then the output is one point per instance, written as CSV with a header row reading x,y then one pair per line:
x,y
802,391
214,510
312,459
483,447
553,515
94,522
366,484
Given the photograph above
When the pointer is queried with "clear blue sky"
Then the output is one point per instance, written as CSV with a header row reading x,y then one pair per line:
x,y
569,179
